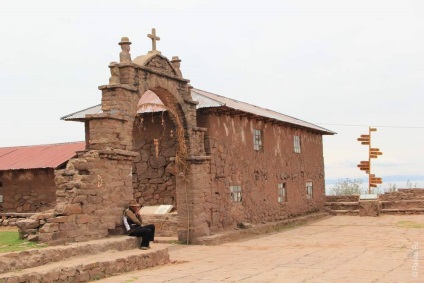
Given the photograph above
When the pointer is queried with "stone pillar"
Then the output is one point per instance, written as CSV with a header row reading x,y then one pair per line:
x,y
369,208
190,196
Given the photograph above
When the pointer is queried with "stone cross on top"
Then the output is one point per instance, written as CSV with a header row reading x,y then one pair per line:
x,y
154,38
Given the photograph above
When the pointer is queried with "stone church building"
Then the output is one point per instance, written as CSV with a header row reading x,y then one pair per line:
x,y
155,139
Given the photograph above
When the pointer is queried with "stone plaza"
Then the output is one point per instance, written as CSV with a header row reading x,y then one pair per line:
x,y
387,249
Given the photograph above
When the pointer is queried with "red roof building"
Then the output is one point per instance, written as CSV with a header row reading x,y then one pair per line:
x,y
27,178
38,156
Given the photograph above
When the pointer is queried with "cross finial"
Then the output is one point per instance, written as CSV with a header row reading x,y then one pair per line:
x,y
153,37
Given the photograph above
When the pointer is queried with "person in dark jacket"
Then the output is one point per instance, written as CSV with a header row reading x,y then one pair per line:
x,y
133,225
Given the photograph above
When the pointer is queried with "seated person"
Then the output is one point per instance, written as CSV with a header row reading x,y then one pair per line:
x,y
132,222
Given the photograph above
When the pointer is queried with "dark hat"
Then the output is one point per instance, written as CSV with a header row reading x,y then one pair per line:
x,y
134,203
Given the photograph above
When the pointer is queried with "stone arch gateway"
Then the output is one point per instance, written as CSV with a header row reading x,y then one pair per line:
x,y
97,185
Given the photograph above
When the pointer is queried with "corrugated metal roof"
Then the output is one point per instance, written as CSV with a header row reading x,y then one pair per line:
x,y
38,156
259,111
80,115
208,100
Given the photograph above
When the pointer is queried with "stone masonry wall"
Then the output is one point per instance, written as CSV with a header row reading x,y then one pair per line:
x,y
403,194
154,169
27,190
235,162
344,198
91,194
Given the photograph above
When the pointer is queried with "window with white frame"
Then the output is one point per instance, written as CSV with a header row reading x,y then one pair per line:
x,y
296,140
257,140
309,190
235,193
282,194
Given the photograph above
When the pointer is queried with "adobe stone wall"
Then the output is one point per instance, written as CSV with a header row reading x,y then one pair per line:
x,y
234,161
154,169
26,191
403,201
403,194
343,198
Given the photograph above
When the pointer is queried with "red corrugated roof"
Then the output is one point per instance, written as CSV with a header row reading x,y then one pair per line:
x,y
38,156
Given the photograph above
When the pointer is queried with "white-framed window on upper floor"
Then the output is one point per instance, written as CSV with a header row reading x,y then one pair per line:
x,y
257,140
296,140
235,193
309,190
282,193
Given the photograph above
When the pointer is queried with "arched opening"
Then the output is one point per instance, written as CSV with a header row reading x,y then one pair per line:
x,y
158,137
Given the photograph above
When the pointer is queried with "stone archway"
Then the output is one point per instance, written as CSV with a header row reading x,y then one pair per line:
x,y
96,186
157,140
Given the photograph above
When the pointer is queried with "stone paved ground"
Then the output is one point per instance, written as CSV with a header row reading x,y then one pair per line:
x,y
336,249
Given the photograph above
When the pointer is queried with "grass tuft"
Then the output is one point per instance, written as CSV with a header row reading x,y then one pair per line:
x,y
410,224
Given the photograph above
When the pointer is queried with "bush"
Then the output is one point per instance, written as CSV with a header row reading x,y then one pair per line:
x,y
347,187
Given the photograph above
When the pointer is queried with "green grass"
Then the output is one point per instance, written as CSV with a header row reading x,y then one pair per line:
x,y
10,242
409,224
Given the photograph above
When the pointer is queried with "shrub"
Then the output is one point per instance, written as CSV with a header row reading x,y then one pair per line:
x,y
347,187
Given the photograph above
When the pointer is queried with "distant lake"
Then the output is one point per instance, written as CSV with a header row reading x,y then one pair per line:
x,y
403,184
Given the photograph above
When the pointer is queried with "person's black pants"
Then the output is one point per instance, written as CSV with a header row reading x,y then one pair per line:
x,y
147,234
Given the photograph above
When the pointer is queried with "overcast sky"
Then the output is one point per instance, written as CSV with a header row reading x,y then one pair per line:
x,y
335,63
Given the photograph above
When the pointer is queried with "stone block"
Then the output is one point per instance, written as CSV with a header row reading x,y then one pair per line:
x,y
49,228
157,162
33,238
45,237
67,226
68,209
83,218
80,164
26,224
369,208
61,235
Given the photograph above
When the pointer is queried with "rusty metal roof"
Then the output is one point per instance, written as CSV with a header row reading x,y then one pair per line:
x,y
38,156
259,111
207,100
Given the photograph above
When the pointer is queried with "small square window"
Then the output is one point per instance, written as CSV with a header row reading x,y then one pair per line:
x,y
235,193
257,140
282,194
309,190
296,144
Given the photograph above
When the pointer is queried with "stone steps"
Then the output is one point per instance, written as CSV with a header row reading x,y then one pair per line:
x,y
343,203
345,212
81,262
403,211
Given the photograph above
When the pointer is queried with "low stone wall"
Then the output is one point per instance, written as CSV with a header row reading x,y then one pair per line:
x,y
342,198
403,201
342,205
10,219
166,224
403,194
